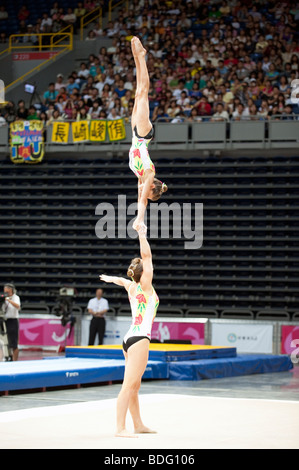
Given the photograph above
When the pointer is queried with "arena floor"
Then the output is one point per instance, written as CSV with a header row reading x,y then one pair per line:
x,y
256,411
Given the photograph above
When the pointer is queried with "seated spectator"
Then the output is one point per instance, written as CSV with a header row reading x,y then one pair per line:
x,y
83,73
79,12
46,21
288,113
240,113
82,115
69,18
203,106
60,103
91,36
184,102
56,116
3,38
3,13
59,82
72,84
50,95
120,89
253,90
173,109
267,91
32,114
160,115
23,13
113,114
284,87
220,114
89,5
30,37
193,116
22,112
95,110
178,90
272,74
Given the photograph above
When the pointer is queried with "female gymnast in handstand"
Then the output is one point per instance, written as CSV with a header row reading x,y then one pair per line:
x,y
140,163
144,303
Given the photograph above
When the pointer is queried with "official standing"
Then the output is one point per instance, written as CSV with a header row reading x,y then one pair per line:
x,y
11,308
97,307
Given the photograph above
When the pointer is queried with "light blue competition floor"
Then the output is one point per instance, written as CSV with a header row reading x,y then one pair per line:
x,y
80,368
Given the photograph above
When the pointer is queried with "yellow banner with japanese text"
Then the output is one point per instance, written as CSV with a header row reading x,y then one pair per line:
x,y
60,132
88,131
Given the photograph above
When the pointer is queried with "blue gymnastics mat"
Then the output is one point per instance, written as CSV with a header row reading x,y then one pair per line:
x,y
243,364
57,372
157,352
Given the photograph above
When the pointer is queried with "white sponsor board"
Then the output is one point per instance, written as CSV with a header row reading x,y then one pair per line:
x,y
246,338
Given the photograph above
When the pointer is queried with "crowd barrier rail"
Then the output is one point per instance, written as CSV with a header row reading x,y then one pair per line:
x,y
202,135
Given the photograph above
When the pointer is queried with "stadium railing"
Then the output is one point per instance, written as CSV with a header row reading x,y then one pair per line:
x,y
204,135
96,14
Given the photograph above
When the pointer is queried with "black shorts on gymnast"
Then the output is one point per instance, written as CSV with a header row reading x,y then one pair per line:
x,y
132,340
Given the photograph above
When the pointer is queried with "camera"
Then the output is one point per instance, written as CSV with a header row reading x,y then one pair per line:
x,y
64,304
3,297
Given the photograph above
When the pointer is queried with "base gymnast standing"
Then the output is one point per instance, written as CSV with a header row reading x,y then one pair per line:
x,y
140,163
144,303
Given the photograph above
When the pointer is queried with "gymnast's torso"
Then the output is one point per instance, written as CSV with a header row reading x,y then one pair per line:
x,y
144,308
139,159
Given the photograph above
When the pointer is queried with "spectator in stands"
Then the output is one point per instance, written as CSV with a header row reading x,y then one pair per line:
x,y
11,308
32,114
97,307
59,83
30,37
203,106
72,84
22,112
3,13
91,36
89,5
70,19
23,13
46,22
240,113
79,12
3,37
51,94
220,114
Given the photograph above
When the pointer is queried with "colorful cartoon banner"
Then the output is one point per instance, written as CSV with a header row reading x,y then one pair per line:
x,y
26,141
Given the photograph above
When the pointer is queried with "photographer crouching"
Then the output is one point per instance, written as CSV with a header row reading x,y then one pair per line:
x,y
11,307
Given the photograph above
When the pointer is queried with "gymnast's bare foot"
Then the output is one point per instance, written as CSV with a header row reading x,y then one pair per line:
x,y
124,433
137,47
144,430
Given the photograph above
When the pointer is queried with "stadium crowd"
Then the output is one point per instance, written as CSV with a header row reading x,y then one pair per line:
x,y
206,60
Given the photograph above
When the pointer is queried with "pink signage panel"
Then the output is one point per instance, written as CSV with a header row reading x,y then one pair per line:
x,y
182,331
289,338
42,332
